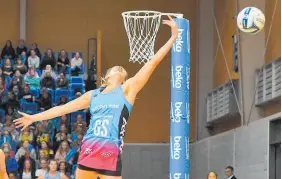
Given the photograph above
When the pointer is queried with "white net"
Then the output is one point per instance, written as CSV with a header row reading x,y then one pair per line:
x,y
141,28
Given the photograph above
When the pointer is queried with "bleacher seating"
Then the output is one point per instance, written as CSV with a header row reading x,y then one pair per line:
x,y
51,93
35,92
76,79
59,93
75,82
29,108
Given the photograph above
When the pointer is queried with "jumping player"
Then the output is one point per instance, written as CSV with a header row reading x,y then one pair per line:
x,y
110,106
3,173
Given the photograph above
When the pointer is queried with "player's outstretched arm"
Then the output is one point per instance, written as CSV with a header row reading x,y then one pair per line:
x,y
136,83
78,104
3,173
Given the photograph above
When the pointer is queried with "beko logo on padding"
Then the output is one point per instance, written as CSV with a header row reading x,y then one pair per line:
x,y
178,76
177,112
176,147
176,175
177,46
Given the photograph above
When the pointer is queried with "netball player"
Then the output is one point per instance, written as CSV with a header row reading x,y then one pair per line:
x,y
3,173
110,106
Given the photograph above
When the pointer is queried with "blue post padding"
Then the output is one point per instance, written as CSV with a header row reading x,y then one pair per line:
x,y
179,110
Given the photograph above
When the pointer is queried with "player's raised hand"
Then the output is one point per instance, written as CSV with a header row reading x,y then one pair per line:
x,y
172,25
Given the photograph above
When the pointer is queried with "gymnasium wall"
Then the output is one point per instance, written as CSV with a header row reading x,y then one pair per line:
x,y
225,27
244,148
9,18
69,23
274,43
251,58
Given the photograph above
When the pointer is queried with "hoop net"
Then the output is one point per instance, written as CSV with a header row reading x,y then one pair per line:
x,y
141,28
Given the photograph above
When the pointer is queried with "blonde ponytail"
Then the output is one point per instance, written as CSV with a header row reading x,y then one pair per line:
x,y
103,82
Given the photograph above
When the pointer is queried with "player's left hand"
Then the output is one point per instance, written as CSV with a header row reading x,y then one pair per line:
x,y
172,25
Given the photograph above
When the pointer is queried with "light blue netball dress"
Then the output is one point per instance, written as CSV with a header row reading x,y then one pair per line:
x,y
102,144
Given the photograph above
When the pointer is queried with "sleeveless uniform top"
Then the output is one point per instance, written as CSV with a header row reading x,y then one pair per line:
x,y
103,142
57,176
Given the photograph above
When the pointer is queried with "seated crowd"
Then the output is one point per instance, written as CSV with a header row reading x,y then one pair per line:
x,y
33,82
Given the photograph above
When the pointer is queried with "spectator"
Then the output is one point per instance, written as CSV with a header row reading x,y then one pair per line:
x,y
8,147
12,175
63,100
62,151
53,173
20,66
33,60
40,134
23,57
63,62
80,122
48,59
49,68
21,47
43,168
3,96
19,78
26,147
7,68
212,175
8,50
47,81
26,95
48,152
7,137
8,122
28,170
77,95
45,101
48,127
64,120
44,136
11,163
14,133
64,168
76,63
11,113
35,48
32,79
16,91
61,136
26,134
229,173
62,81
76,143
12,101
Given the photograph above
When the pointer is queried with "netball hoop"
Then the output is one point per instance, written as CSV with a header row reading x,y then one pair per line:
x,y
141,28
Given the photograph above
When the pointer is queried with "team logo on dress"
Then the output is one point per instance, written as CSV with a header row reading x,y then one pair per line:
x,y
88,151
106,154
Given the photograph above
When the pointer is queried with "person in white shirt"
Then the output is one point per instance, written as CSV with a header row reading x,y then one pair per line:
x,y
76,63
43,168
229,173
33,60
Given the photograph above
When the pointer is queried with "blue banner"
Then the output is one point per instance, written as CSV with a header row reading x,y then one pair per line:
x,y
179,106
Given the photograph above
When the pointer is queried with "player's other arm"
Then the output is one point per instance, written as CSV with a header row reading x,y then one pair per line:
x,y
3,173
136,83
78,104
